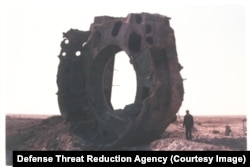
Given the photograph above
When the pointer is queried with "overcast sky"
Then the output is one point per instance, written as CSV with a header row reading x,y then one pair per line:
x,y
210,39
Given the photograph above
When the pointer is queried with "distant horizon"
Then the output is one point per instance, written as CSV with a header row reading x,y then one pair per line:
x,y
9,114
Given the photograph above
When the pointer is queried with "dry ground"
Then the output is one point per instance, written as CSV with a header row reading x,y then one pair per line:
x,y
52,133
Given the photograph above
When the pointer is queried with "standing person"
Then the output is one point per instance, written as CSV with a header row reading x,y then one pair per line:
x,y
188,123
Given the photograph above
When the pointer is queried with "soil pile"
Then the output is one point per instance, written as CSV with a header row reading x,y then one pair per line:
x,y
54,133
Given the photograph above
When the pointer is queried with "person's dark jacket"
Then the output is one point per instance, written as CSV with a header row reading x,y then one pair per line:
x,y
188,121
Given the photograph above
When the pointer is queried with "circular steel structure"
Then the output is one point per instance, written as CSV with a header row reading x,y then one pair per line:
x,y
85,75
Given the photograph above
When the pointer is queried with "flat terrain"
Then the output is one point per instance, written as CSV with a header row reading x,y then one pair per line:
x,y
41,132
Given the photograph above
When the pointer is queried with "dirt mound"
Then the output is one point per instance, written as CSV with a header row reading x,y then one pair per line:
x,y
54,133
50,134
174,144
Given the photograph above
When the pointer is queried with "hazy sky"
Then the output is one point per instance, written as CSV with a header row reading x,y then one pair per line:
x,y
210,39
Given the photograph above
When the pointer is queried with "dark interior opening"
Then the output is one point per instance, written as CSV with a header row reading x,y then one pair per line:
x,y
148,29
116,28
134,42
145,92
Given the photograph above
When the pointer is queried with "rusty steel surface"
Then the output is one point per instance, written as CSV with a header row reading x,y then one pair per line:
x,y
85,75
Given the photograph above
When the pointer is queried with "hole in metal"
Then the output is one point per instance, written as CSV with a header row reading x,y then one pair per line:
x,y
66,41
78,53
64,54
84,44
145,92
116,28
148,29
124,82
134,43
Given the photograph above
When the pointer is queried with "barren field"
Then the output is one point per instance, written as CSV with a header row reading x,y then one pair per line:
x,y
39,132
